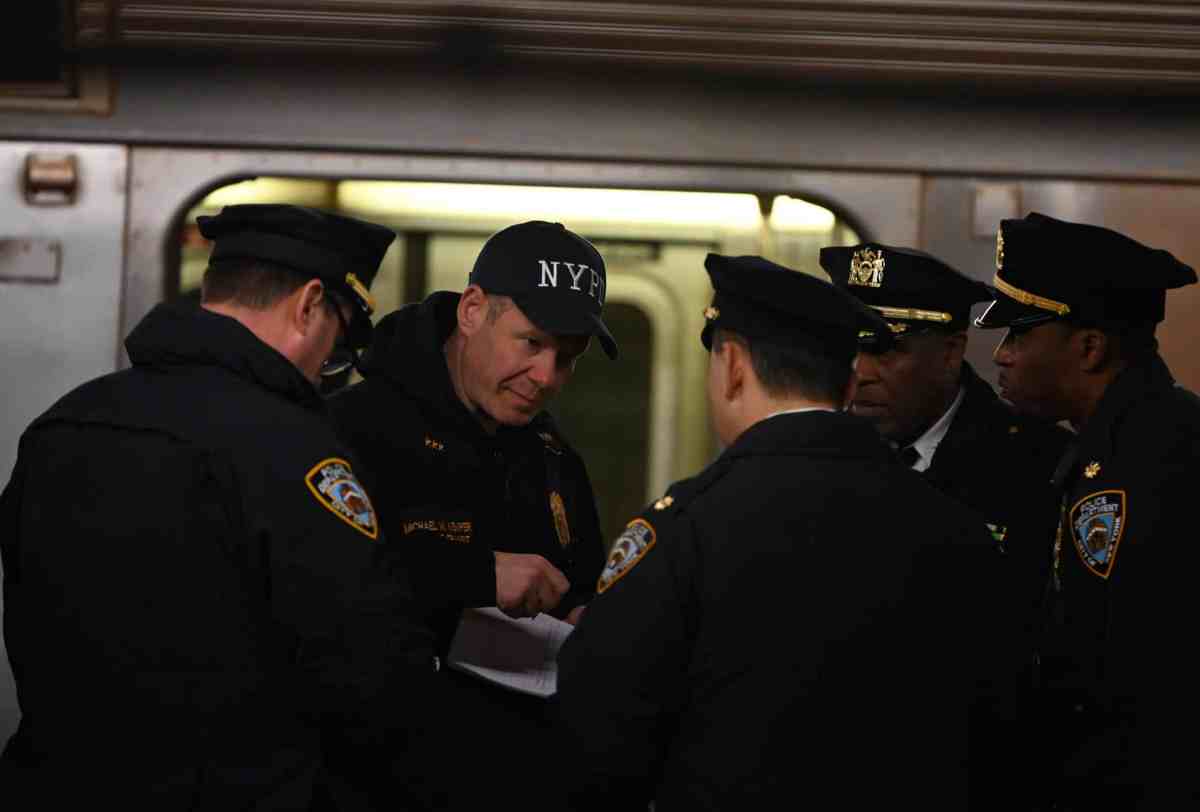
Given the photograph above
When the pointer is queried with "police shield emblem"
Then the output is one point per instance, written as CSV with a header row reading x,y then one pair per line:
x,y
1097,523
335,486
629,548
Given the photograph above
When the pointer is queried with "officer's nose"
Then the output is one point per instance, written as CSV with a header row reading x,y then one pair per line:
x,y
543,372
1002,356
866,368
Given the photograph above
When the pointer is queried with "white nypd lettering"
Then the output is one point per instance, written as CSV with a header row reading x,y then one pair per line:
x,y
548,273
575,274
576,270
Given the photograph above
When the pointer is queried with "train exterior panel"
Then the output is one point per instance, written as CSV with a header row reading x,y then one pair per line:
x,y
103,174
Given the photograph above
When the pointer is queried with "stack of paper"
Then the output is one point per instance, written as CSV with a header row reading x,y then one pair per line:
x,y
520,654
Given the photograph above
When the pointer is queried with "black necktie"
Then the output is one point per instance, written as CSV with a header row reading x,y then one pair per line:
x,y
908,456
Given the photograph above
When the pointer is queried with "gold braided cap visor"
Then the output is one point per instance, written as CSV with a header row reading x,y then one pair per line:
x,y
913,314
1029,299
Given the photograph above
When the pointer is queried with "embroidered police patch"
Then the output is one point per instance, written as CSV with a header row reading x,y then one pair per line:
x,y
334,485
1097,524
629,548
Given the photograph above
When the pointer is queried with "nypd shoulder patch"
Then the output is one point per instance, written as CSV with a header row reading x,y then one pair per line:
x,y
335,486
629,548
1097,524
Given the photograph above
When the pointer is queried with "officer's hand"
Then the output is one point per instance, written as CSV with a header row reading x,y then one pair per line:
x,y
527,584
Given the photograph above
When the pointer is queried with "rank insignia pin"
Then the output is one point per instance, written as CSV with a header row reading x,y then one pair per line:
x,y
711,313
664,503
559,511
1092,469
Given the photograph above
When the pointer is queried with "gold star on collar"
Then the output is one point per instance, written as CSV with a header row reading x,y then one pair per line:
x,y
1092,469
664,503
711,313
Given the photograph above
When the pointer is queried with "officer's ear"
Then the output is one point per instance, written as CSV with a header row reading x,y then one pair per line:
x,y
305,306
1094,349
472,310
733,356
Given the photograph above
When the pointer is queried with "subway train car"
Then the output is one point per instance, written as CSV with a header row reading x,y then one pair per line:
x,y
661,131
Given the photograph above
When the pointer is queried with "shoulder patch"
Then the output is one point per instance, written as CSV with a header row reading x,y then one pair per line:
x,y
1097,523
335,486
629,548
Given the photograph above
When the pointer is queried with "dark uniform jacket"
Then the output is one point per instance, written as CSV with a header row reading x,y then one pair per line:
x,y
195,603
1118,660
802,622
1000,464
431,466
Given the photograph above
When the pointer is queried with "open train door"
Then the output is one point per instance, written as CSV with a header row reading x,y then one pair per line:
x,y
62,232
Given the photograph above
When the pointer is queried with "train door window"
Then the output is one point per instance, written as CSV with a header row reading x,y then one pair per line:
x,y
640,422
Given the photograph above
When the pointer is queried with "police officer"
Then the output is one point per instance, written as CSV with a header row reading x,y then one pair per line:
x,y
953,428
451,426
1081,303
787,623
195,607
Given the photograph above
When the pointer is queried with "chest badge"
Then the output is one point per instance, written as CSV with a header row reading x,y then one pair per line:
x,y
1097,524
1091,470
629,548
559,511
335,486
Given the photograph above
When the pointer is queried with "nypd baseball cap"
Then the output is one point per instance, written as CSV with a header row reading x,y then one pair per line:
x,y
553,275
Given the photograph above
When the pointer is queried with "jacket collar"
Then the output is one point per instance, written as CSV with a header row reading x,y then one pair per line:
x,y
1137,382
819,434
182,334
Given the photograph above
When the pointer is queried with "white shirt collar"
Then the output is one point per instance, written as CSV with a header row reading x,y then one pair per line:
x,y
928,442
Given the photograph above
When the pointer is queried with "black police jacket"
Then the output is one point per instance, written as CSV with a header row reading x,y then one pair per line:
x,y
196,609
805,619
1120,676
432,467
1000,464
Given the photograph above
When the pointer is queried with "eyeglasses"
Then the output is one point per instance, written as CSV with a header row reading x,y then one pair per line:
x,y
343,356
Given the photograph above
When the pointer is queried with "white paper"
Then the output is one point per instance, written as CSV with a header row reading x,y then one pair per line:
x,y
520,654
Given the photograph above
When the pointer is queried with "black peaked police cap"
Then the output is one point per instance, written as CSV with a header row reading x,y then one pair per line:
x,y
762,301
912,290
1049,269
342,252
553,275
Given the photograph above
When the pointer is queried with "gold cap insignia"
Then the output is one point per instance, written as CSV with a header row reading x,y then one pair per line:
x,y
999,248
434,444
360,289
866,268
1092,469
664,503
711,313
